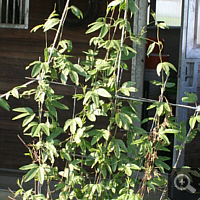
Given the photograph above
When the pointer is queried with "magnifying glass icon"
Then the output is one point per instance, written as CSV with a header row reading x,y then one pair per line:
x,y
184,181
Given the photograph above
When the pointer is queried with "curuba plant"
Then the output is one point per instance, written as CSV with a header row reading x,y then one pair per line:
x,y
98,163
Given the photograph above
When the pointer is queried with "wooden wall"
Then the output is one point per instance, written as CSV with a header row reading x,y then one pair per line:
x,y
18,48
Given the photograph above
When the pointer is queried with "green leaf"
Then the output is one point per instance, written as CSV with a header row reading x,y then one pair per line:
x,y
173,131
102,92
150,48
104,171
36,69
88,95
50,23
64,75
91,117
21,116
192,121
170,85
36,131
123,120
116,149
31,174
151,186
59,105
96,138
159,68
29,166
73,126
165,138
45,128
160,163
79,69
127,87
131,6
78,121
104,30
32,124
190,98
28,119
159,109
55,134
95,27
128,170
133,166
4,104
23,109
122,145
76,12
162,25
74,77
15,93
34,29
67,124
115,3
41,174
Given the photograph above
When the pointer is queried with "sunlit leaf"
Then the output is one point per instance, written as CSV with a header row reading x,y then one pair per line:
x,y
102,92
41,174
150,48
115,3
31,174
95,27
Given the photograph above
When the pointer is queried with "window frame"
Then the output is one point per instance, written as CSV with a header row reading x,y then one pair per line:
x,y
14,25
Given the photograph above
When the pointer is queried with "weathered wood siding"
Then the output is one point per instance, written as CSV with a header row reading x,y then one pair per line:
x,y
17,49
192,150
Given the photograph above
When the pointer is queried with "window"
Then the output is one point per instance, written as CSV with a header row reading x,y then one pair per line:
x,y
169,11
14,14
197,24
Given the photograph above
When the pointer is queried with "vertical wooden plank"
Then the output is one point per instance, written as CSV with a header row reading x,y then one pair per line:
x,y
20,12
7,10
13,13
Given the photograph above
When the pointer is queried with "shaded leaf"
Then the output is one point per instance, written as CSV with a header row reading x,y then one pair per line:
x,y
4,104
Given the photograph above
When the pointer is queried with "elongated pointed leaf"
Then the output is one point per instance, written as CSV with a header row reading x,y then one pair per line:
x,y
150,48
29,166
45,128
104,30
50,23
67,124
102,92
192,121
31,174
115,3
15,93
36,69
59,105
4,104
20,116
41,174
74,77
28,119
95,27
23,109
76,12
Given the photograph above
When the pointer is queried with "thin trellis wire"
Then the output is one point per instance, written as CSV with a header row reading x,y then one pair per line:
x,y
145,100
73,116
59,28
